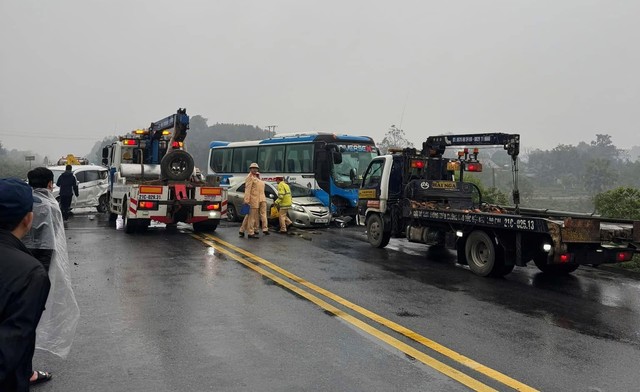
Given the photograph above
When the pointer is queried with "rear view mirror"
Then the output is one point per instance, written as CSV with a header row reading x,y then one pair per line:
x,y
337,157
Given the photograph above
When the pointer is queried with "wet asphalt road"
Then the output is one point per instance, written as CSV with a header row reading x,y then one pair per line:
x,y
164,311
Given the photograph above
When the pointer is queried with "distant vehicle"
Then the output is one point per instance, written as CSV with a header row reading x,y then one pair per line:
x,y
331,165
93,186
306,210
71,159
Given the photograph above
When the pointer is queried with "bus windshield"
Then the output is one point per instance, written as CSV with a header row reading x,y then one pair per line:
x,y
355,160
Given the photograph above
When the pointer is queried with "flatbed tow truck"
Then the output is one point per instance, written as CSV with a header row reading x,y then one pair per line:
x,y
421,196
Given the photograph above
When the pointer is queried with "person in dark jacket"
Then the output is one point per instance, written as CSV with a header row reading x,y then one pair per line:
x,y
68,187
24,287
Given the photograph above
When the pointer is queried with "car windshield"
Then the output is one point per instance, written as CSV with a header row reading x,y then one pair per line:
x,y
300,191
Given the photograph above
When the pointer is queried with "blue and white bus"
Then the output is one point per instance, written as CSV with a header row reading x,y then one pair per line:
x,y
329,164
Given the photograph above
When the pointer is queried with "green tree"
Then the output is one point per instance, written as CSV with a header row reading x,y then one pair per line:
x,y
394,138
603,148
599,175
621,203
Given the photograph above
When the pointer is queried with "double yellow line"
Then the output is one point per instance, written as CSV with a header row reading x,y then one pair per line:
x,y
223,246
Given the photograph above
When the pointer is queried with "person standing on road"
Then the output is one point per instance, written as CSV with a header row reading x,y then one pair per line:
x,y
253,187
262,210
47,242
284,204
68,187
24,287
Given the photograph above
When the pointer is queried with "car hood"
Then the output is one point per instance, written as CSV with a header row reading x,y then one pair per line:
x,y
306,201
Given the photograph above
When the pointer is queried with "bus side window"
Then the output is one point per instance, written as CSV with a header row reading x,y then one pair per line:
x,y
306,165
278,165
291,166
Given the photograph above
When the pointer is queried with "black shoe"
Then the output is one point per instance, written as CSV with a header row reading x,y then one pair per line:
x,y
255,236
241,234
265,232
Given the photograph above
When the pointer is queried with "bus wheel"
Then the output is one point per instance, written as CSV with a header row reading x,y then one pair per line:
x,y
553,269
376,233
481,254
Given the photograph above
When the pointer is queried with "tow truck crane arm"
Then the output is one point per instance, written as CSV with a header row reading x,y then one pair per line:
x,y
510,142
436,145
178,123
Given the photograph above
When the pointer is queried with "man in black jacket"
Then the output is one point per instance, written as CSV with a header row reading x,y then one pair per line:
x,y
24,286
68,187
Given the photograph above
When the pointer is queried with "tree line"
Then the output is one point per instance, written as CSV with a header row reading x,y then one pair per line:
x,y
587,177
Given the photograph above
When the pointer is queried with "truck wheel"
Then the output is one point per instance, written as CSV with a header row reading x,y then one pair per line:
x,y
177,166
481,254
461,252
232,214
129,225
143,225
376,233
553,269
103,204
205,226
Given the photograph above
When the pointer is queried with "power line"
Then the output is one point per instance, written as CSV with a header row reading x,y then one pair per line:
x,y
48,136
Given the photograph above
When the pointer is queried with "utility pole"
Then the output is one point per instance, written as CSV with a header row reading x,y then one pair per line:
x,y
272,129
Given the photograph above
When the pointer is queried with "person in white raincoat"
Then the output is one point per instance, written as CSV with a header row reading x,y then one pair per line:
x,y
59,320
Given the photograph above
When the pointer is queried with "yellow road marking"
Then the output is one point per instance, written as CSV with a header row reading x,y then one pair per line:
x,y
466,361
405,348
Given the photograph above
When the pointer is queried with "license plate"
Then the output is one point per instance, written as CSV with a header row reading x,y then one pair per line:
x,y
323,220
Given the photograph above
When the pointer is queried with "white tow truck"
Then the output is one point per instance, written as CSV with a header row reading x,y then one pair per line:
x,y
152,177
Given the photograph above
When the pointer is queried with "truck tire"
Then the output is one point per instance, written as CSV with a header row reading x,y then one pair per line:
x,y
205,226
129,225
103,204
376,234
178,165
540,261
483,257
143,225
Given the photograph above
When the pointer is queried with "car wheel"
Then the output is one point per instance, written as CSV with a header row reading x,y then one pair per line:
x,y
103,204
232,214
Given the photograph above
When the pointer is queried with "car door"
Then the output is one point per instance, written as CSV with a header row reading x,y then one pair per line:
x,y
80,200
271,194
90,186
239,199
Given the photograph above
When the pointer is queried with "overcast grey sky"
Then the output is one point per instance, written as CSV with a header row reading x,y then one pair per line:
x,y
75,71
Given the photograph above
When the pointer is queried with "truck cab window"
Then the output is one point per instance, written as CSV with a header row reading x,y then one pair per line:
x,y
373,175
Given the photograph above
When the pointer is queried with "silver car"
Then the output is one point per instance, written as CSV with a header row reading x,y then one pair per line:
x,y
306,210
93,186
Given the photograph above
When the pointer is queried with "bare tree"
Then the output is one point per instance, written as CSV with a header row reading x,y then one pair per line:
x,y
394,138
